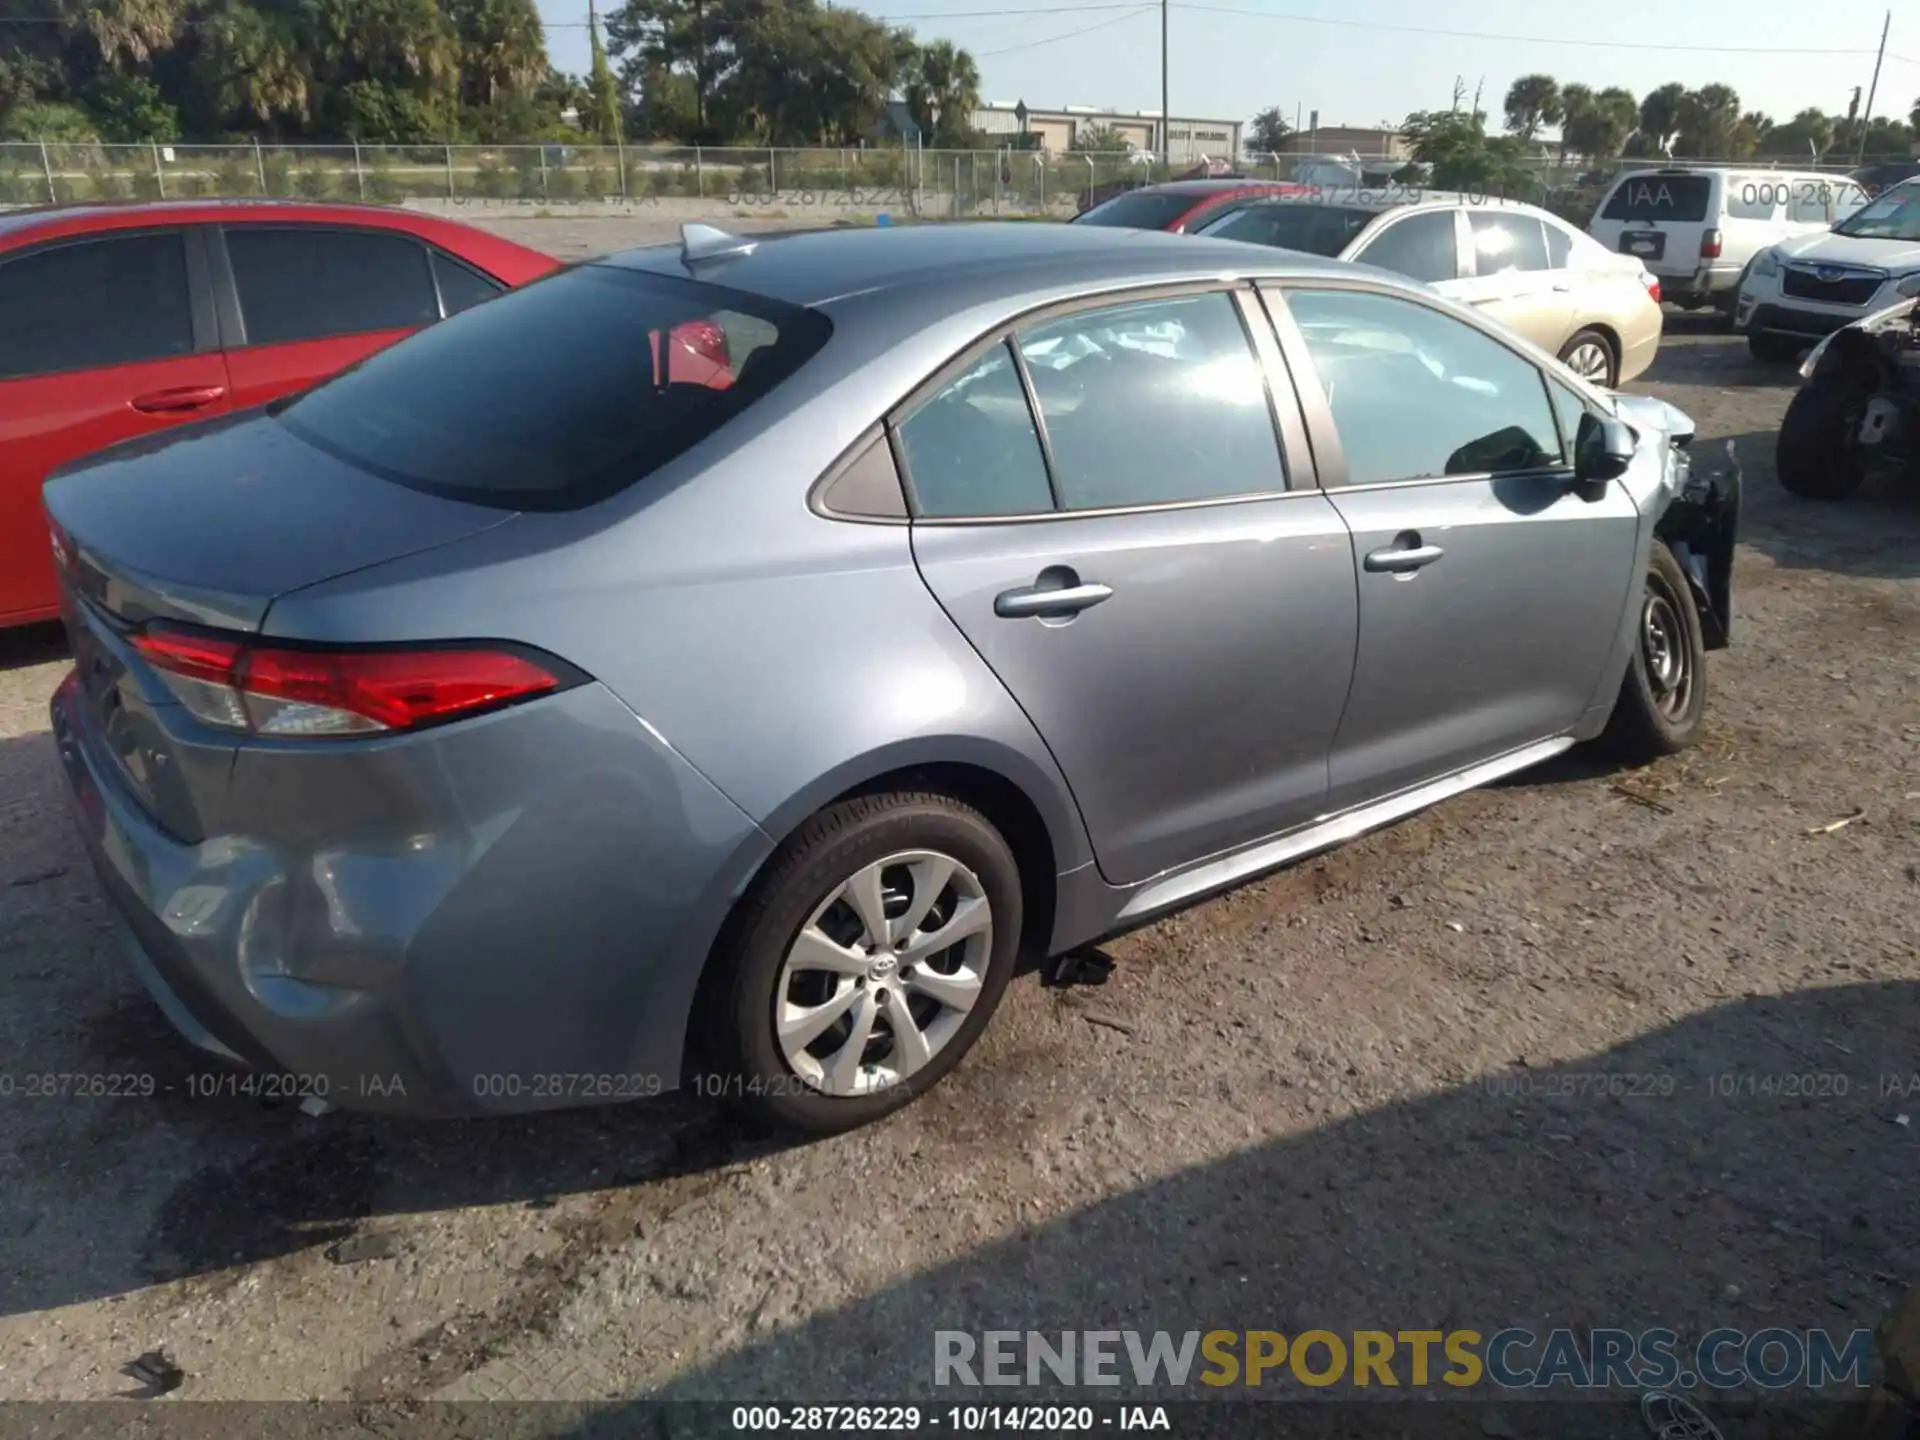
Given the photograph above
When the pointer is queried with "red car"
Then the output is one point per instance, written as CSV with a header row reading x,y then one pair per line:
x,y
116,321
1182,205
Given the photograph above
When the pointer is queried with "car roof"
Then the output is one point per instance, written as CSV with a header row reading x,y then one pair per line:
x,y
1382,199
51,222
1217,185
967,264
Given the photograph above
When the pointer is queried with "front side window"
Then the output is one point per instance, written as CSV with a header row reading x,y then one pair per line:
x,y
1506,242
1423,246
1154,402
95,303
972,449
308,283
1416,394
559,392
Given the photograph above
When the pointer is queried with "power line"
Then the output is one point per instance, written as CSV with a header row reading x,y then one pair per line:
x,y
1134,13
1521,39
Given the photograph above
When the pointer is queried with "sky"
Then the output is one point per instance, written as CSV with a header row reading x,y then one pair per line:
x,y
1346,58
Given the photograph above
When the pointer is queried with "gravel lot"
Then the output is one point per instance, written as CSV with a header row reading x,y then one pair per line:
x,y
1326,1099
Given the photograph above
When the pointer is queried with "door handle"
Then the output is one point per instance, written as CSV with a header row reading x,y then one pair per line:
x,y
1057,593
1403,557
183,397
1565,287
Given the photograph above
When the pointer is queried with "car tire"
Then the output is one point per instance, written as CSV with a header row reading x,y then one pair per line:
x,y
1664,692
1592,343
1774,349
1811,456
888,850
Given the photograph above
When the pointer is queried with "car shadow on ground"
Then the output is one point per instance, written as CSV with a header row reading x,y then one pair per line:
x,y
32,645
1874,534
1742,1166
1720,357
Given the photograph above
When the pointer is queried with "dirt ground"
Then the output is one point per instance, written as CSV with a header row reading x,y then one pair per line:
x,y
1360,1092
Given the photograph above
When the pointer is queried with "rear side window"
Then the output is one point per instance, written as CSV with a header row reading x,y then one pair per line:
x,y
1422,245
1679,197
1755,197
461,288
96,303
561,392
1507,242
1559,245
1139,210
303,284
972,449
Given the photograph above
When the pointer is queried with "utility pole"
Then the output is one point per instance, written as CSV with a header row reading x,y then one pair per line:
x,y
1166,115
1865,120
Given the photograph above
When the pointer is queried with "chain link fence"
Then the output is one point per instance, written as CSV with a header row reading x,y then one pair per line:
x,y
933,184
708,181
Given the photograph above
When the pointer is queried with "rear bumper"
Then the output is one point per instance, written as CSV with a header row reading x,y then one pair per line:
x,y
1702,284
504,915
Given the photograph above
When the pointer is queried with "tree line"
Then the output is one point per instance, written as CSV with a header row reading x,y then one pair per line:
x,y
764,72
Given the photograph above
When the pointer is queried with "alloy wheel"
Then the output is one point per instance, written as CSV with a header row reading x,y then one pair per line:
x,y
1590,361
884,973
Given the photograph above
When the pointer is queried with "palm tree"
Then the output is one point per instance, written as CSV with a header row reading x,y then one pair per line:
x,y
1532,100
1576,103
252,66
127,31
943,92
503,50
1660,113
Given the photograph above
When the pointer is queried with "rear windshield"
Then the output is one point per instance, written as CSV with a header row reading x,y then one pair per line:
x,y
560,393
1660,197
1316,229
1139,210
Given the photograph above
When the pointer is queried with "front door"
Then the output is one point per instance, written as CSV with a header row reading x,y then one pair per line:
x,y
101,340
1513,279
1490,592
1177,623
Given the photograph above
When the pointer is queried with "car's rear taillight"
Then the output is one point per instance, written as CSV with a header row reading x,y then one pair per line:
x,y
1652,282
278,690
1710,245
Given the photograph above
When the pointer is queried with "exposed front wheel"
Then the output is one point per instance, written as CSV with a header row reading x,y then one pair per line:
x,y
1663,694
866,962
1590,356
1816,456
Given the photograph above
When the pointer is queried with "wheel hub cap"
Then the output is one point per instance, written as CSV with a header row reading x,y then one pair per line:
x,y
1663,649
884,973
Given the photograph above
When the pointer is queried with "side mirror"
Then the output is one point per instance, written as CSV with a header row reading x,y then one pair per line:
x,y
1602,450
1909,285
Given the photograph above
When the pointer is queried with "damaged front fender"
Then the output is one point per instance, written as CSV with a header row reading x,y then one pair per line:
x,y
1700,526
1696,511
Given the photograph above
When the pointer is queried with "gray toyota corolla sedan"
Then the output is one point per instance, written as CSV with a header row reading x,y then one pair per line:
x,y
719,663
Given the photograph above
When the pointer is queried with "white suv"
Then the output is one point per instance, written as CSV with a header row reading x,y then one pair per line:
x,y
1697,227
1804,288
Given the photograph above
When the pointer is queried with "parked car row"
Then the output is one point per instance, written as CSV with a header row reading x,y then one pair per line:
x,y
725,660
1598,312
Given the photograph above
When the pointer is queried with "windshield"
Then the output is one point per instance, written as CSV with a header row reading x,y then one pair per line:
x,y
554,395
1316,229
1657,196
1894,216
1139,210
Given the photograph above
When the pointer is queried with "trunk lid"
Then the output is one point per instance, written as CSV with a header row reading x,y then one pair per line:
x,y
208,525
211,523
